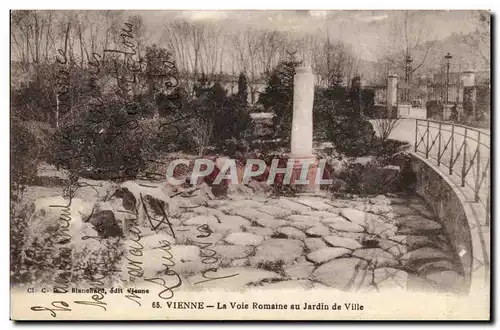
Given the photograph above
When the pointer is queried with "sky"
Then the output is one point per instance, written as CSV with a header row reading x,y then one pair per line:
x,y
368,31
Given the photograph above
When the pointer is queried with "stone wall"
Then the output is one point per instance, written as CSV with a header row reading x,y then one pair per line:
x,y
450,209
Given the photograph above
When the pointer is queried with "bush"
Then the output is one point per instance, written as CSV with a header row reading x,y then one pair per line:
x,y
352,136
111,147
24,157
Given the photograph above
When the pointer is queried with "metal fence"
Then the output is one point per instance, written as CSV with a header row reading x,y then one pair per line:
x,y
464,152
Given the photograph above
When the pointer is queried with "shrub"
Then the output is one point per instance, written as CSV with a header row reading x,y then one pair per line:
x,y
352,136
109,147
24,157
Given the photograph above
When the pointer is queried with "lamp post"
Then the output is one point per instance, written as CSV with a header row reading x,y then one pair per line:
x,y
408,61
448,58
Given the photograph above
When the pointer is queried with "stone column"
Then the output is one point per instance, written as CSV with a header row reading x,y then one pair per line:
x,y
302,123
305,164
469,93
392,93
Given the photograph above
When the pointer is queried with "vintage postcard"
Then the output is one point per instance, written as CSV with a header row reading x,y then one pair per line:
x,y
250,165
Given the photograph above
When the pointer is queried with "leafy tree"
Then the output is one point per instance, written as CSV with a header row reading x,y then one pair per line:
x,y
243,87
278,95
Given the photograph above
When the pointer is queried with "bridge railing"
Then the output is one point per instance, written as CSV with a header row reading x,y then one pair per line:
x,y
464,152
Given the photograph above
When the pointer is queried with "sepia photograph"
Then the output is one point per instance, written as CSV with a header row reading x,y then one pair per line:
x,y
250,164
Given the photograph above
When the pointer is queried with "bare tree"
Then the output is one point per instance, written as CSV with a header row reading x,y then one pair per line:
x,y
385,126
479,40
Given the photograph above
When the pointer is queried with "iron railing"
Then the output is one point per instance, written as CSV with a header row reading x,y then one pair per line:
x,y
464,151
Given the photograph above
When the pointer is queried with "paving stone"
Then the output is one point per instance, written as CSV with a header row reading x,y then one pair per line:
x,y
436,266
403,210
283,251
334,219
270,222
261,231
447,280
345,242
222,224
288,204
323,255
314,203
228,253
378,227
355,216
395,248
300,271
346,226
423,209
314,243
390,278
410,224
235,278
424,253
291,232
252,214
318,231
185,234
323,214
377,257
274,210
242,238
344,273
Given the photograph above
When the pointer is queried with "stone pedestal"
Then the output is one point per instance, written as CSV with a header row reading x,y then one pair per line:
x,y
302,129
469,94
447,111
392,93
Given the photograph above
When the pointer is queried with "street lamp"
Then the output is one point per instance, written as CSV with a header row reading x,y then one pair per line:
x,y
408,61
448,58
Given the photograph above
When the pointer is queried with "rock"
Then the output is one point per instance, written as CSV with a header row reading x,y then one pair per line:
x,y
322,215
273,251
240,263
105,224
270,222
291,232
322,255
344,273
222,224
274,210
187,234
318,231
355,216
409,224
92,190
251,214
245,204
185,259
227,253
435,266
424,253
390,278
314,244
423,209
380,199
259,187
300,271
244,239
316,204
363,160
376,257
231,278
288,204
261,231
403,210
378,227
150,242
346,226
344,242
395,248
334,219
447,280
